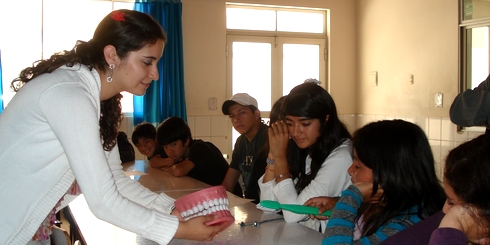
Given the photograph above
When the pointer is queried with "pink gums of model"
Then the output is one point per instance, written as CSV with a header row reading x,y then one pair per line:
x,y
211,200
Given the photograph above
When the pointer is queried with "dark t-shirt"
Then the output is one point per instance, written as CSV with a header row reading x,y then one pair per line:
x,y
246,160
418,234
209,164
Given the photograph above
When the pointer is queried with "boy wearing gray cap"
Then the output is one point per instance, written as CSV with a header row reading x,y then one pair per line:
x,y
245,118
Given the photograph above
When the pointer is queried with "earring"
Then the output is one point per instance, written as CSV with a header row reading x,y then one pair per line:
x,y
111,72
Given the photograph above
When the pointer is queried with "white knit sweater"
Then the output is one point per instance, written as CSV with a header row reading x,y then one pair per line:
x,y
331,180
49,135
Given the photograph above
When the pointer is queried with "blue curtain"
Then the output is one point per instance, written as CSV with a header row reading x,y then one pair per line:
x,y
1,84
165,97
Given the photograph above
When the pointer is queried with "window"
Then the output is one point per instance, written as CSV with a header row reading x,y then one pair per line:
x,y
46,27
271,49
475,47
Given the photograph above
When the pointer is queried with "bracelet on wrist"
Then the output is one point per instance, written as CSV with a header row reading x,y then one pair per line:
x,y
285,175
269,161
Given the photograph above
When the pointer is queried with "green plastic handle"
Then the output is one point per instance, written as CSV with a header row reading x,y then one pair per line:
x,y
295,208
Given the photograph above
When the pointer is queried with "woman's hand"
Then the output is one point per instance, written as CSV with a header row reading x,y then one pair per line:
x,y
323,204
278,139
196,229
177,213
461,218
366,189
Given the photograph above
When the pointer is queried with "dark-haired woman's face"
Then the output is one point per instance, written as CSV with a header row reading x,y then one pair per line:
x,y
136,72
359,172
304,131
451,198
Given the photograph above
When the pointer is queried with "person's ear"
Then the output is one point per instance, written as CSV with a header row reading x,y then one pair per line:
x,y
326,118
187,142
110,54
257,114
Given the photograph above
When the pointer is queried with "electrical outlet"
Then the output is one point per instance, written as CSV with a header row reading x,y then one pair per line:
x,y
438,100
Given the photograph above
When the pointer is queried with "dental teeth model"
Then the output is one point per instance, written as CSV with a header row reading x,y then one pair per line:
x,y
211,200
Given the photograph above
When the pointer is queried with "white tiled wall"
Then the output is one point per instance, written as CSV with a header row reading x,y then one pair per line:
x,y
441,132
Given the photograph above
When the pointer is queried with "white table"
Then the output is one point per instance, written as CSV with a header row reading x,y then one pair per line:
x,y
95,231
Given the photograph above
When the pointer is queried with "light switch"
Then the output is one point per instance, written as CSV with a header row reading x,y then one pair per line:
x,y
373,79
213,103
438,100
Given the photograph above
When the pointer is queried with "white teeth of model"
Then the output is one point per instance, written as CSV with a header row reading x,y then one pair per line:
x,y
205,212
195,209
205,204
220,200
200,207
216,202
190,212
226,201
213,209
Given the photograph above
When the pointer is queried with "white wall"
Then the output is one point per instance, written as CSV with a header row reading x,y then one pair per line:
x,y
395,38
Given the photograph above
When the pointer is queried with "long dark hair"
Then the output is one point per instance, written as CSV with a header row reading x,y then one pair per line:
x,y
127,31
467,171
401,159
312,101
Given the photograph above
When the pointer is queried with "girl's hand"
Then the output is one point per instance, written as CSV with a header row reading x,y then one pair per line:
x,y
366,189
196,229
323,204
278,138
460,217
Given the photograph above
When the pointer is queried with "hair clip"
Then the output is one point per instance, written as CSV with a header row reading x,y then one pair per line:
x,y
118,16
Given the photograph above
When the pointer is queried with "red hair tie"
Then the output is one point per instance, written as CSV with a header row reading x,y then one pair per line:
x,y
118,16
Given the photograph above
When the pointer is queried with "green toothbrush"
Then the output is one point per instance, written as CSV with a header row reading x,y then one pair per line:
x,y
295,208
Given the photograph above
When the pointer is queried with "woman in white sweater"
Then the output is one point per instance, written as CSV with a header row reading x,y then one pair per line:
x,y
309,152
61,126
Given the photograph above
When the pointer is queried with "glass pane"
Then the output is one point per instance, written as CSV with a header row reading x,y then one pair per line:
x,y
300,62
300,21
250,19
21,29
59,34
475,9
123,5
251,71
477,60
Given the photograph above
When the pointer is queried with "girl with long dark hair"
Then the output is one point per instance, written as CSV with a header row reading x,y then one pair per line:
x,y
394,185
310,152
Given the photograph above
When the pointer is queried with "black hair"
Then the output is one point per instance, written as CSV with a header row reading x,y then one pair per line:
x,y
173,129
143,130
312,101
400,157
467,171
127,31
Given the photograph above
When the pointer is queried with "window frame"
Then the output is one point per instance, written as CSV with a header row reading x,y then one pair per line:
x,y
463,80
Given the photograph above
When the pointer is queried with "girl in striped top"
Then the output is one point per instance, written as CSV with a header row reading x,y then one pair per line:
x,y
394,185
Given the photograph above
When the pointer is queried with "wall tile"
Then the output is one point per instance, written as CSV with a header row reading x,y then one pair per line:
x,y
192,125
435,145
202,126
434,128
411,119
446,147
350,122
221,142
423,123
219,126
364,119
